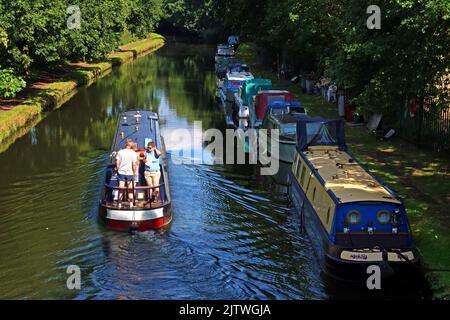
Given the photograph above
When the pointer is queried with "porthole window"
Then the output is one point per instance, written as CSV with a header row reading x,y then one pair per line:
x,y
384,217
353,217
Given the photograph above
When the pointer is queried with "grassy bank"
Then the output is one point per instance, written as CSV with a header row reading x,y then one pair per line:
x,y
421,178
18,115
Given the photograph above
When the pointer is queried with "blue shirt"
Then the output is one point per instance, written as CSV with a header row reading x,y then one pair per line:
x,y
152,161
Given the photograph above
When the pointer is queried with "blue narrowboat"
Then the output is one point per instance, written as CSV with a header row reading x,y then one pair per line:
x,y
352,218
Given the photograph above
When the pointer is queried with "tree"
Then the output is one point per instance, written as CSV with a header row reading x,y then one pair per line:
x,y
407,56
144,16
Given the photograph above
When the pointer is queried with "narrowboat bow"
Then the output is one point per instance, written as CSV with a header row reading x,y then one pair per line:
x,y
141,212
352,218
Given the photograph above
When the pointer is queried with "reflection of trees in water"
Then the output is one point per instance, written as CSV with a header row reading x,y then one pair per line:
x,y
88,121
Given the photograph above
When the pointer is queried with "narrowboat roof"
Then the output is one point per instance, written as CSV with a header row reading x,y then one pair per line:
x,y
284,104
224,46
235,64
239,76
345,177
138,125
225,50
273,92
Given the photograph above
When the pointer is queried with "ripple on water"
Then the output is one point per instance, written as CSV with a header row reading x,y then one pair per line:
x,y
232,237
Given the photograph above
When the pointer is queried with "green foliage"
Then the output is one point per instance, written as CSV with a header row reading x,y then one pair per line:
x,y
408,56
10,84
3,39
144,16
35,33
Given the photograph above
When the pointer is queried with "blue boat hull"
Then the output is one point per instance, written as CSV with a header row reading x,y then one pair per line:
x,y
329,254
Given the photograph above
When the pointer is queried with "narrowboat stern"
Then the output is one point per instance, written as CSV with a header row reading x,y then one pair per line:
x,y
142,211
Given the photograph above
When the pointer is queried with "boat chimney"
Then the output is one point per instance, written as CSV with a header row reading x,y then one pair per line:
x,y
137,116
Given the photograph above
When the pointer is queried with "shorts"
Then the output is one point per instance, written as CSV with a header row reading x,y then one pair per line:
x,y
125,177
152,178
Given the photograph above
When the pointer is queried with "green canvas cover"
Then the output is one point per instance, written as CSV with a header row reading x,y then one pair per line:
x,y
252,86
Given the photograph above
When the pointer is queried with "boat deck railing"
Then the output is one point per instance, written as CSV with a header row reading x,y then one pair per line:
x,y
141,197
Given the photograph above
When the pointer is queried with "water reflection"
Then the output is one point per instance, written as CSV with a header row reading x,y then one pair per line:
x,y
233,235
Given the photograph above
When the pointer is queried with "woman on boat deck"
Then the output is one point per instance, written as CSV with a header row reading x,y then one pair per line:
x,y
152,172
126,166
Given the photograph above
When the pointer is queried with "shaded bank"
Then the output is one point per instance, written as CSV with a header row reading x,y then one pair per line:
x,y
17,118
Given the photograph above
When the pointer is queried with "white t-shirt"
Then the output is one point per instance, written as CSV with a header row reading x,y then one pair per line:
x,y
126,157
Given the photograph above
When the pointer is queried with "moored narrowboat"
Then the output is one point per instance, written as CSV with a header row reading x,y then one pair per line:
x,y
224,55
352,218
283,116
225,96
262,101
136,206
244,99
235,75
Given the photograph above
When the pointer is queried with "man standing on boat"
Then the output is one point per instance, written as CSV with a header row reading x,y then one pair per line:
x,y
126,165
152,169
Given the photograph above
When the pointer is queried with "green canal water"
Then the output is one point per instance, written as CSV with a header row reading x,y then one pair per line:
x,y
233,235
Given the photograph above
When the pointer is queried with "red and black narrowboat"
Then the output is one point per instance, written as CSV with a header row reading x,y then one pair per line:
x,y
141,211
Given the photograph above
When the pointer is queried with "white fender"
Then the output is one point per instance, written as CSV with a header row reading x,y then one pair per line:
x,y
244,112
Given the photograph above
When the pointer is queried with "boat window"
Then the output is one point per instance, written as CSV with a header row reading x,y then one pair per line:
x,y
289,129
328,215
314,194
275,98
296,163
302,179
299,170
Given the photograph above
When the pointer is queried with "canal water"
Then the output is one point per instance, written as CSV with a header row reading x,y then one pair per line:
x,y
233,235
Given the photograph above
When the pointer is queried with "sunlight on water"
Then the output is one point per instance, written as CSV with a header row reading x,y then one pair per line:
x,y
233,235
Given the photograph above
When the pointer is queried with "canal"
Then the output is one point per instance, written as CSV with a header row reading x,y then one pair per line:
x,y
233,235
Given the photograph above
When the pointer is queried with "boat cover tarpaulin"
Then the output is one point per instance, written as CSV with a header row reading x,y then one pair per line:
x,y
251,88
318,131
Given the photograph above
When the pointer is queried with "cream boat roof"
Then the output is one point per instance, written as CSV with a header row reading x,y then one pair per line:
x,y
349,182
